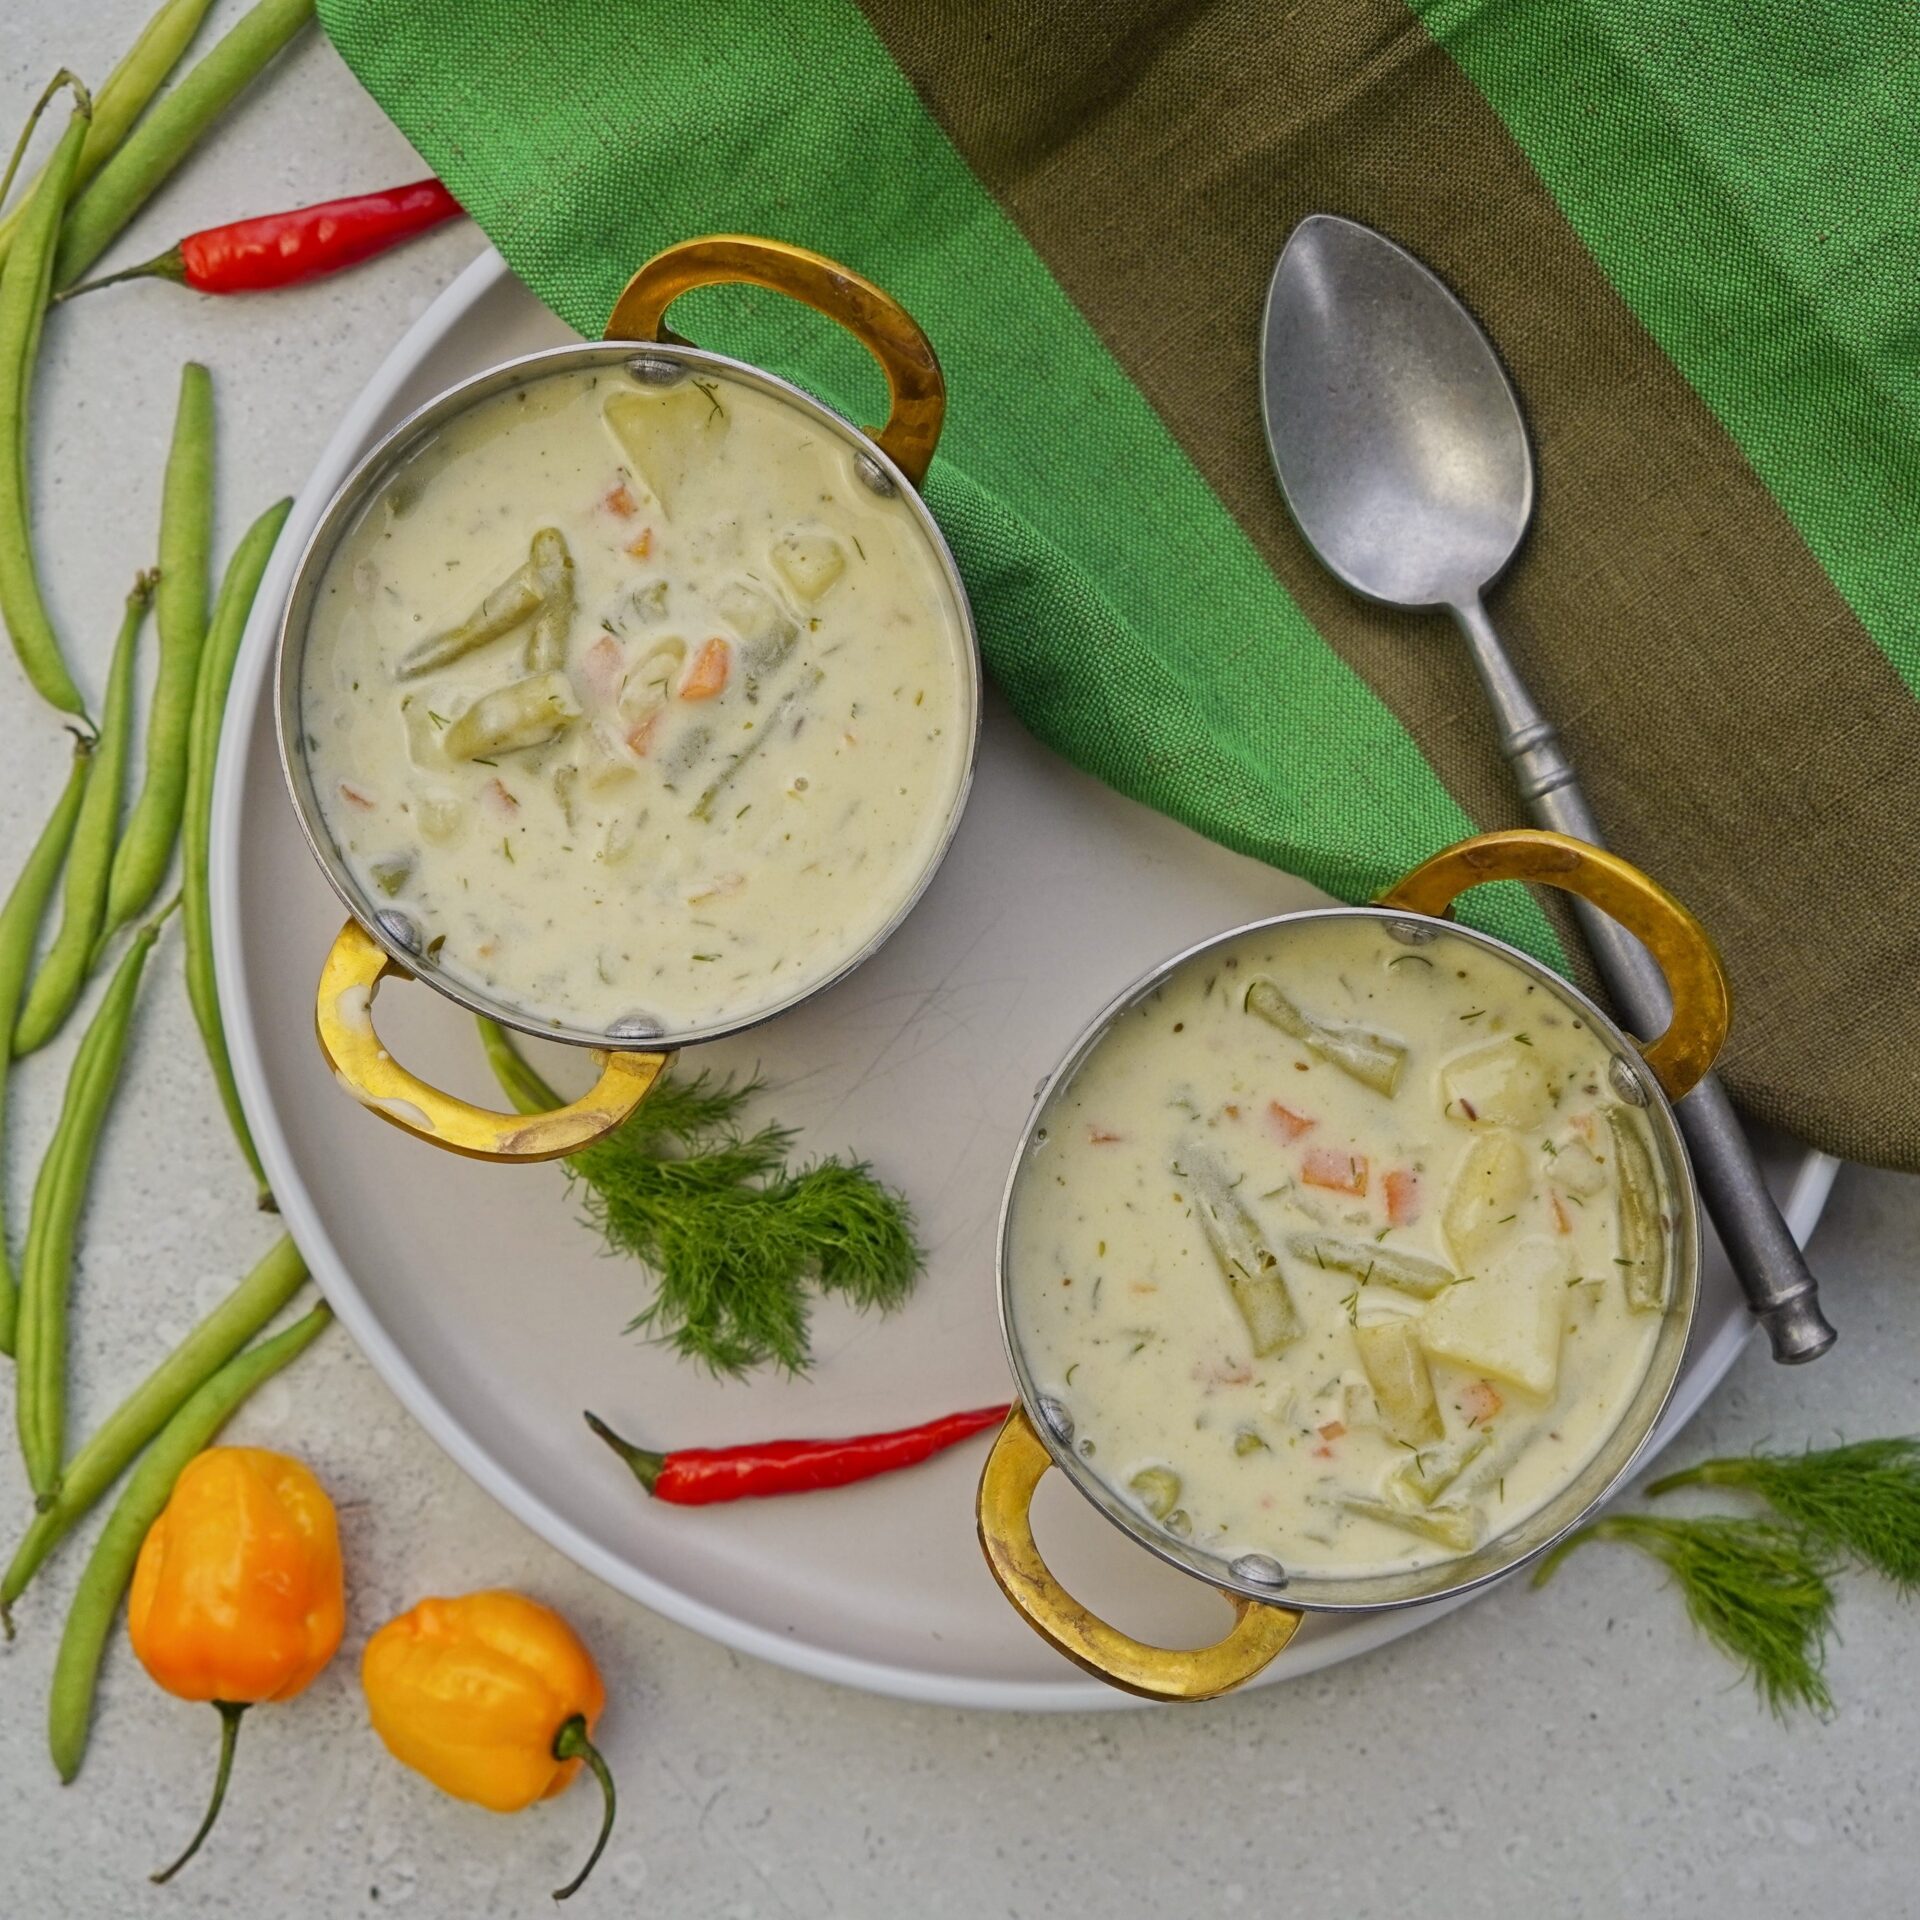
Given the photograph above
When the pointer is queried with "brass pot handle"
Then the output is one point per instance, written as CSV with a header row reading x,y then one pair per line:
x,y
1702,1004
874,318
343,1015
1014,1469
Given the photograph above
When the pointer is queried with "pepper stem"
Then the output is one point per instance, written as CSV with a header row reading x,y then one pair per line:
x,y
171,265
646,1465
230,1712
571,1743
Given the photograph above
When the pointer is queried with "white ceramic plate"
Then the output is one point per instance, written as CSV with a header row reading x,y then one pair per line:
x,y
483,1303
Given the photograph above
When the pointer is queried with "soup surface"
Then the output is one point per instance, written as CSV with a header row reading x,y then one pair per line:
x,y
1339,1250
636,701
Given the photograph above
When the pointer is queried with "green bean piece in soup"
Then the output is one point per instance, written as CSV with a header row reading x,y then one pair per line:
x,y
1468,1230
635,703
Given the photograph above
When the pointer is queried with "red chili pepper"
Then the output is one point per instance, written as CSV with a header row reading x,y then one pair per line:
x,y
699,1476
280,249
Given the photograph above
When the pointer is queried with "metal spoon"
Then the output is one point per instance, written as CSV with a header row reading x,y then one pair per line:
x,y
1403,456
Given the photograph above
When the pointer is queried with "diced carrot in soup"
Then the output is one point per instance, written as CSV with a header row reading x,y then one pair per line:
x,y
1480,1401
641,545
640,735
1335,1169
618,500
707,675
1286,1123
1402,1188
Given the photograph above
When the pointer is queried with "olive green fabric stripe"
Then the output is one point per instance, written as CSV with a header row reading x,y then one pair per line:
x,y
1740,734
1754,193
1123,610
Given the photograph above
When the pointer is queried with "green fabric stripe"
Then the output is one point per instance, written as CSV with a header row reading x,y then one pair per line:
x,y
1753,190
1191,681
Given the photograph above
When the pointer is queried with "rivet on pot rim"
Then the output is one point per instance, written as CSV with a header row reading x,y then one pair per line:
x,y
1059,1420
635,1026
656,369
873,476
1259,1569
398,928
1412,933
1627,1082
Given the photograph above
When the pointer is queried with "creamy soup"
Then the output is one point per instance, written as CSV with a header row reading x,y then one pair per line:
x,y
1340,1251
638,704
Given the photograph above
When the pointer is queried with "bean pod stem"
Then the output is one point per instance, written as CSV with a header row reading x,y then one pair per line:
x,y
235,602
60,1192
96,1601
274,1280
117,105
168,134
62,975
141,859
19,926
24,284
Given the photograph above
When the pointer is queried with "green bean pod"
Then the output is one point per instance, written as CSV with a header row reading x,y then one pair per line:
x,y
46,1263
168,134
96,1601
24,282
237,589
62,975
274,1280
142,72
19,925
22,141
141,859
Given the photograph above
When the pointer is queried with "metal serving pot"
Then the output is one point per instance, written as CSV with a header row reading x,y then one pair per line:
x,y
1268,1601
377,943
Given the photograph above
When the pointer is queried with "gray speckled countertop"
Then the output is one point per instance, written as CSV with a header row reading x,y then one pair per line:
x,y
1577,1751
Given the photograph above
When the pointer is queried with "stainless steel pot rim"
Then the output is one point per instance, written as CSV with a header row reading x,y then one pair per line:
x,y
1494,1558
398,444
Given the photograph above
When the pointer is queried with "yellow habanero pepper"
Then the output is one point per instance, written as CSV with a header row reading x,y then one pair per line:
x,y
492,1697
238,1594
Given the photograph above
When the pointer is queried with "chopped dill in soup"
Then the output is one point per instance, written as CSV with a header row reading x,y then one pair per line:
x,y
636,702
1340,1251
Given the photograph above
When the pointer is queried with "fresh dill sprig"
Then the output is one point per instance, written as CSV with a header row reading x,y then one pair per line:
x,y
1760,1591
737,1239
1861,1500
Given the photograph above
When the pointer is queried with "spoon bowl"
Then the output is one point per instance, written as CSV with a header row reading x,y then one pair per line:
x,y
1397,437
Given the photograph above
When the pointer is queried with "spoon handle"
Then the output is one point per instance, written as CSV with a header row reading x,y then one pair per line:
x,y
1772,1271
